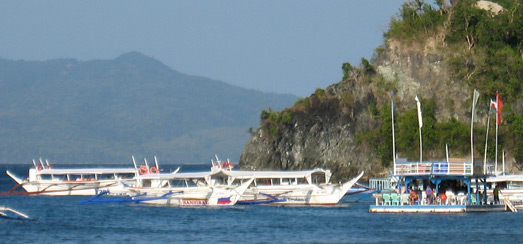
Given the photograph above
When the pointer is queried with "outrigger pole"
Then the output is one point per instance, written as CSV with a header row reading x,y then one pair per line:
x,y
156,163
146,165
134,162
42,163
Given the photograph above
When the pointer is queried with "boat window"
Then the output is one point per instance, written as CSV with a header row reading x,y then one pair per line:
x,y
192,183
45,177
515,185
199,182
237,182
302,181
177,183
89,177
125,176
106,177
288,181
219,181
75,177
59,177
263,182
275,181
318,178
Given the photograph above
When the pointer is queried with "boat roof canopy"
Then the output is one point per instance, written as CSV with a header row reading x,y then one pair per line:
x,y
86,171
502,178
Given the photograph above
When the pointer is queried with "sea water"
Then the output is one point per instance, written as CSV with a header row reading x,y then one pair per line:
x,y
63,220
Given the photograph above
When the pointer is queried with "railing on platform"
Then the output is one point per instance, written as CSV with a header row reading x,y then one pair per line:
x,y
432,168
380,183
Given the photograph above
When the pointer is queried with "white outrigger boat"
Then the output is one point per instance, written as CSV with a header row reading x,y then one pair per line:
x,y
184,189
511,188
46,180
305,187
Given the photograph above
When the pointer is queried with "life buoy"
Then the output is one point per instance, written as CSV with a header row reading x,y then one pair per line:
x,y
143,170
48,166
38,167
225,165
153,170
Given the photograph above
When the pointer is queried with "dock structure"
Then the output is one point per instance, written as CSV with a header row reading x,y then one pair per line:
x,y
450,184
436,208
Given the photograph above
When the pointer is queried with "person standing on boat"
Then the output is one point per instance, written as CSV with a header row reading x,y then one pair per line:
x,y
443,198
430,196
496,194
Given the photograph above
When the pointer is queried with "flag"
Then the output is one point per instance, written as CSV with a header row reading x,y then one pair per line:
x,y
474,102
499,106
420,119
224,200
493,107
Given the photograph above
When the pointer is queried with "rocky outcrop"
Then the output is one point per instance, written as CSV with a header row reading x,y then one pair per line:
x,y
324,133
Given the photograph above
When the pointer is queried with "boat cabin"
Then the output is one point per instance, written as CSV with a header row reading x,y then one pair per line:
x,y
280,178
86,174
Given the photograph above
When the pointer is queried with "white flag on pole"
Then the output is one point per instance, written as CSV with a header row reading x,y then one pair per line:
x,y
474,102
420,119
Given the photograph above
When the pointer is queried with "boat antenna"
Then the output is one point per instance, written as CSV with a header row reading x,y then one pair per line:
x,y
42,163
48,165
156,163
134,162
34,163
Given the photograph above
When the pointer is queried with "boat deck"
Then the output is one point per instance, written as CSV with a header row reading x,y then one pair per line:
x,y
435,208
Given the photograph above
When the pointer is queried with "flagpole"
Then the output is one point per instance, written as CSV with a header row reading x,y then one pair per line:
x,y
393,137
420,147
496,157
475,97
503,162
486,141
420,121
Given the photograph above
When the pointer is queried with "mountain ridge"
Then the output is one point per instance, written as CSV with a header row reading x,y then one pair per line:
x,y
113,109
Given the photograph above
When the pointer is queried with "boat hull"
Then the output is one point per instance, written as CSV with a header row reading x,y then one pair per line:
x,y
73,188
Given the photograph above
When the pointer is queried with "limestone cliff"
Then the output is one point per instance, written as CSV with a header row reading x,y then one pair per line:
x,y
323,133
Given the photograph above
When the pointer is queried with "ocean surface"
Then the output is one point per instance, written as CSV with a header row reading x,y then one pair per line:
x,y
63,220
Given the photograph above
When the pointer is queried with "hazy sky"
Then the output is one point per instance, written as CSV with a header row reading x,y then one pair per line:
x,y
285,46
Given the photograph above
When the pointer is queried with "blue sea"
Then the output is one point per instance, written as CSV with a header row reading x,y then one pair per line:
x,y
63,220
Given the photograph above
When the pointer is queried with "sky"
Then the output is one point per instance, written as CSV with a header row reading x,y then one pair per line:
x,y
286,46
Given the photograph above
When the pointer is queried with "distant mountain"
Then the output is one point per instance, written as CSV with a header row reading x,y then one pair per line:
x,y
104,111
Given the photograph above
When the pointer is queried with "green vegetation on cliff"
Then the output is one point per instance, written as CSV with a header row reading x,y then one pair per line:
x,y
485,50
